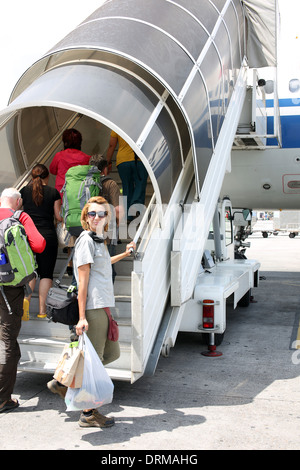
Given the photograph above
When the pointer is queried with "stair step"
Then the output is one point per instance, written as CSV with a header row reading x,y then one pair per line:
x,y
40,367
42,327
53,343
122,285
122,308
49,368
122,289
42,355
124,267
119,374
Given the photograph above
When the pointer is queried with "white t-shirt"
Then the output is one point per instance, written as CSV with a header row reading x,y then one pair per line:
x,y
100,288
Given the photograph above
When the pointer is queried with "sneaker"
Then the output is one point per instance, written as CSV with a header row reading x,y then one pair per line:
x,y
56,387
95,420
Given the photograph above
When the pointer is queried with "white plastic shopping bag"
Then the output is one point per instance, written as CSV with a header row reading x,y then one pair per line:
x,y
96,389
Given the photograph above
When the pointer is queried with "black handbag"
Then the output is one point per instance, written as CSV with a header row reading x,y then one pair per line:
x,y
62,301
62,305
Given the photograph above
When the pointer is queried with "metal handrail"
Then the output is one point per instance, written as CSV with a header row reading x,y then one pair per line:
x,y
143,224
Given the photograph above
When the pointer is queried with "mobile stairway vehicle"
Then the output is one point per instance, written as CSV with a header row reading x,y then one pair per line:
x,y
172,79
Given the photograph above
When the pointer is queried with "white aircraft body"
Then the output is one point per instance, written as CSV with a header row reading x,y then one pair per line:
x,y
265,173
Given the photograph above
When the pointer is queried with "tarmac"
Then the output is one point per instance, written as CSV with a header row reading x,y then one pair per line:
x,y
246,399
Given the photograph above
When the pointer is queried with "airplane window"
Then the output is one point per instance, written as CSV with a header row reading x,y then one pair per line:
x,y
294,85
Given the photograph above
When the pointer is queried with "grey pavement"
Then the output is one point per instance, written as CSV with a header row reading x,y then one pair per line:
x,y
247,399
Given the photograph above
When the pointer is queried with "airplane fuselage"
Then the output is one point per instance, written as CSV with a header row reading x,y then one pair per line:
x,y
269,178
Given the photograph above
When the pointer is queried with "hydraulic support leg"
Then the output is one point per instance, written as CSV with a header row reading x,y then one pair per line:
x,y
212,350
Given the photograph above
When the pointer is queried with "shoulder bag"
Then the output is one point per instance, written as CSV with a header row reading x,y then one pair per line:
x,y
62,301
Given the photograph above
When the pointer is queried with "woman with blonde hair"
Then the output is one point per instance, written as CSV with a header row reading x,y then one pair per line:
x,y
93,273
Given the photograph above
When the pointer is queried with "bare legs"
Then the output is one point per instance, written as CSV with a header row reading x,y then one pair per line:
x,y
44,287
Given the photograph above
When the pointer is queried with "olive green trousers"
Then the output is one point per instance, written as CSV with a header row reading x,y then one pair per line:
x,y
107,350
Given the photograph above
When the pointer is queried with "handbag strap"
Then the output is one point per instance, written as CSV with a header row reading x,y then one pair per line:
x,y
107,311
62,272
59,279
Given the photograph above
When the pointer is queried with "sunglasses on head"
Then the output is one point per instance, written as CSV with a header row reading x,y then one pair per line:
x,y
100,214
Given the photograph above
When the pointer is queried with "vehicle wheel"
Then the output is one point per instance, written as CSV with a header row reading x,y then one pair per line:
x,y
265,234
165,350
292,235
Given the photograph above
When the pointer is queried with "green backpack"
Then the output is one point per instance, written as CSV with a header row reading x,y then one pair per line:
x,y
18,263
81,183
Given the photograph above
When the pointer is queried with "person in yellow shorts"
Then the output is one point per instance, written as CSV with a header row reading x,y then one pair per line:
x,y
132,172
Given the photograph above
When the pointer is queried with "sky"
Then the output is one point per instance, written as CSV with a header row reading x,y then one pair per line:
x,y
29,28
289,33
